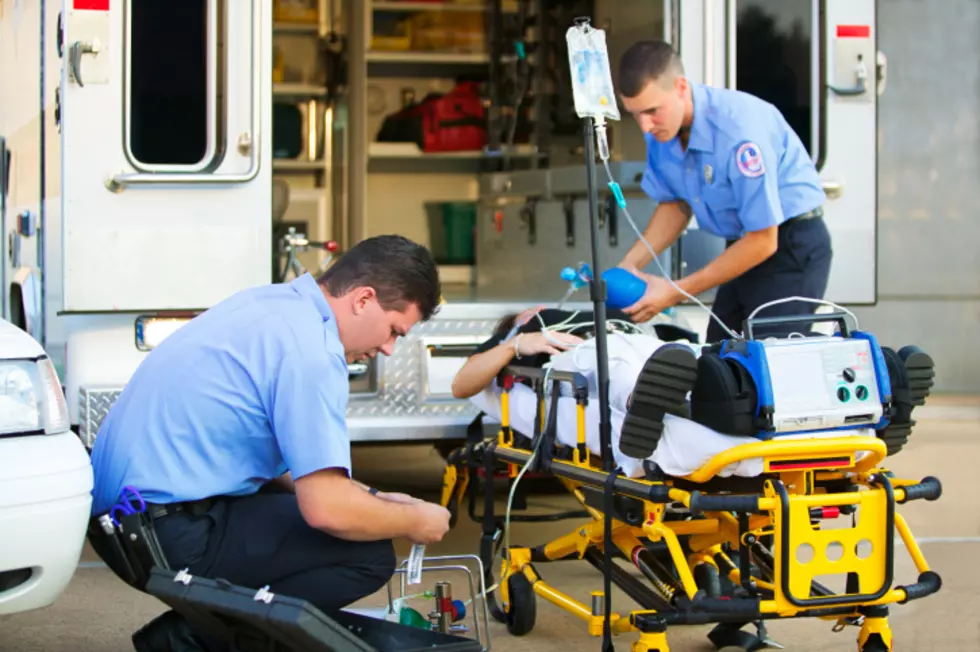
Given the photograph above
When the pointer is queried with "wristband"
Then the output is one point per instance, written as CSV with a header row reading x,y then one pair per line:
x,y
517,341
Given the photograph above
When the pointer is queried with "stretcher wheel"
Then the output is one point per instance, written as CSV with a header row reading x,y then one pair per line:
x,y
521,607
727,637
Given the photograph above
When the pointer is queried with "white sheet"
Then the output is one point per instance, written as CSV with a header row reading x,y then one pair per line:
x,y
685,445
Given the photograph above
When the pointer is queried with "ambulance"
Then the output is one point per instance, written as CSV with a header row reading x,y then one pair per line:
x,y
137,162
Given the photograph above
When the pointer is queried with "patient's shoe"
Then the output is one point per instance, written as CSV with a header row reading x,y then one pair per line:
x,y
912,374
662,388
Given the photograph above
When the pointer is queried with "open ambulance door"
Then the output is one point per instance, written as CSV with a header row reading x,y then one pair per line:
x,y
817,62
165,152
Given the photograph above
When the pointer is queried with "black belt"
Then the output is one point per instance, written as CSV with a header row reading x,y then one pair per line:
x,y
809,215
192,507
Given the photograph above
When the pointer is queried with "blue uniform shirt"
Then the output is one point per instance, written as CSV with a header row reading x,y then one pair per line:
x,y
745,169
251,388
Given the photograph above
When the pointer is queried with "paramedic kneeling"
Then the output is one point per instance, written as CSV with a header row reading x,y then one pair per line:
x,y
745,174
233,431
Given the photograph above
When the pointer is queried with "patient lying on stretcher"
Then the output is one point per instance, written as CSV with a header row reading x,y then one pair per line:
x,y
684,446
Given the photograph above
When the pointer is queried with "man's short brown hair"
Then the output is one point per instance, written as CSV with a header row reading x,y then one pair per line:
x,y
401,272
644,62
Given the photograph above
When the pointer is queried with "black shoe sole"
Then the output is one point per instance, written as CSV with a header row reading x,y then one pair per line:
x,y
667,377
921,373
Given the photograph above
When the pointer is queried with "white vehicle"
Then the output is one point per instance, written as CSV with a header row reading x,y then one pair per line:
x,y
45,478
140,187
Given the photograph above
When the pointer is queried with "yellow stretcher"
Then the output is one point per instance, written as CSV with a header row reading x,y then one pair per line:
x,y
731,551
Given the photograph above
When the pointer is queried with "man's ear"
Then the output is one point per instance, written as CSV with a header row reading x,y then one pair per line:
x,y
681,84
360,298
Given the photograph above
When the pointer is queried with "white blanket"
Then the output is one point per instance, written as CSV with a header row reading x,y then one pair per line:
x,y
685,445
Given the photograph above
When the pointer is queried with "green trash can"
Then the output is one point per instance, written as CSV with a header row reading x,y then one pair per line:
x,y
459,227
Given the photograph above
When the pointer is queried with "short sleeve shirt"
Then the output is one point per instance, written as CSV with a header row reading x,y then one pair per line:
x,y
744,169
246,391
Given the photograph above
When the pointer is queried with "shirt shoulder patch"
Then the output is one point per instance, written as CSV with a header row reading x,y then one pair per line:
x,y
748,158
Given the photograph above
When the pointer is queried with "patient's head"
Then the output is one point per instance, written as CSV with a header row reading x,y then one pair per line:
x,y
504,325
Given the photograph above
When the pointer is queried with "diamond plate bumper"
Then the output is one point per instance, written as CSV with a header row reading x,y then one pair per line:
x,y
93,405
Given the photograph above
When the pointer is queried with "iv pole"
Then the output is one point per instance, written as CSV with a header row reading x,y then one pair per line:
x,y
597,291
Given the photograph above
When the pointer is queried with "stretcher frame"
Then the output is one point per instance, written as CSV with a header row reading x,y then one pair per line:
x,y
719,532
727,525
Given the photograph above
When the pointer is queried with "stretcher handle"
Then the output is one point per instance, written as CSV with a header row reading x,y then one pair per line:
x,y
839,317
929,582
711,503
928,489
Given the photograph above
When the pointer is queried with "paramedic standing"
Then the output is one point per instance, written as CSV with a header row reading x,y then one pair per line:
x,y
234,431
733,160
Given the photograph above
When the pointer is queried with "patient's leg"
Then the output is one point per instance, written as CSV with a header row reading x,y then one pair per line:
x,y
662,388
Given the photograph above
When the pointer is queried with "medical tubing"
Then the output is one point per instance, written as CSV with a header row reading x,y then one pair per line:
x,y
527,465
806,300
602,145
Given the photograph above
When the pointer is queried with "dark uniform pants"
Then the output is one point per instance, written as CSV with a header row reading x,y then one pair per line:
x,y
800,267
263,539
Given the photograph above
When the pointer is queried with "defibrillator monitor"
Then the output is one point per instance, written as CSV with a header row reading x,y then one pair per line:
x,y
820,383
816,383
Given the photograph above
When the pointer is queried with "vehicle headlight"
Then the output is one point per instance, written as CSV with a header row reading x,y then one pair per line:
x,y
31,399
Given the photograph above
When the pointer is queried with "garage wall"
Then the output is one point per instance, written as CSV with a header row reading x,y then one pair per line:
x,y
928,202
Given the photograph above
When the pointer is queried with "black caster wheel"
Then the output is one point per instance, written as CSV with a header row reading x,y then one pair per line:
x,y
729,638
522,607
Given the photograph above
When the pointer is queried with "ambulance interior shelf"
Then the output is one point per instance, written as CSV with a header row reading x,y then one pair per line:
x,y
490,109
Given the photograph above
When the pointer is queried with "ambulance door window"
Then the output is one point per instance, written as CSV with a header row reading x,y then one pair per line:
x,y
171,81
778,59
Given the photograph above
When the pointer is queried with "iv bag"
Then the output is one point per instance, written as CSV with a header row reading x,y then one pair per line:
x,y
592,85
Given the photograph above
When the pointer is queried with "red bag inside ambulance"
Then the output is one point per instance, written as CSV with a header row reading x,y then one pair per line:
x,y
453,122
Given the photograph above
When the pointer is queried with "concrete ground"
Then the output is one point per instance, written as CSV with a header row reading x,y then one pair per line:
x,y
98,612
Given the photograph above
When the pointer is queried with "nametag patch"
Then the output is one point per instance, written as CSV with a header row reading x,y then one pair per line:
x,y
748,158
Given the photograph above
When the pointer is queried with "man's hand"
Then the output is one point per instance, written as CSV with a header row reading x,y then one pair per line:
x,y
431,525
659,296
